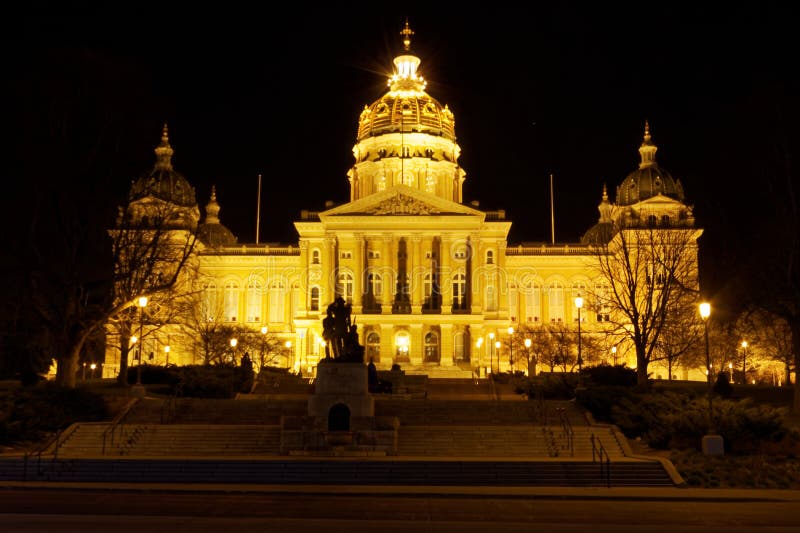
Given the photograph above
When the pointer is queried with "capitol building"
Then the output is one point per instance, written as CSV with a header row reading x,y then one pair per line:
x,y
433,282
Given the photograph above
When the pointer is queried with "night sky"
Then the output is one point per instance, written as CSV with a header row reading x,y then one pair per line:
x,y
560,89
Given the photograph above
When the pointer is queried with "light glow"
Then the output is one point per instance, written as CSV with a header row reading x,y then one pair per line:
x,y
705,310
142,301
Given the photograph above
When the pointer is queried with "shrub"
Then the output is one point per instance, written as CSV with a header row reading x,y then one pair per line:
x,y
618,375
722,386
600,400
154,374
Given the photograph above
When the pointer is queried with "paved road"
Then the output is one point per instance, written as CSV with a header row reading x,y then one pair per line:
x,y
353,509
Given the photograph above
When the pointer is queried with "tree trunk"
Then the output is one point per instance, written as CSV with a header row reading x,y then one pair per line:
x,y
669,368
124,351
67,369
641,367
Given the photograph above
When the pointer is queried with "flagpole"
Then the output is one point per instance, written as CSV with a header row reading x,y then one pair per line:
x,y
258,209
552,214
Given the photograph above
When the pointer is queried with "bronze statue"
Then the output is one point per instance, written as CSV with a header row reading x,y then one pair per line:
x,y
340,335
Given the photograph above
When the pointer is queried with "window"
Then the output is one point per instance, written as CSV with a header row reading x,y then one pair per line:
x,y
459,346
491,299
428,254
253,301
427,286
344,286
533,302
489,257
431,347
512,303
373,347
231,301
460,254
346,254
459,290
430,184
555,293
602,303
651,221
315,256
210,302
665,221
375,284
374,254
314,304
277,296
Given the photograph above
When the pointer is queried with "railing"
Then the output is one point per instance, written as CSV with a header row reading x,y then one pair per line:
x,y
254,249
27,458
566,431
600,454
551,249
168,409
111,430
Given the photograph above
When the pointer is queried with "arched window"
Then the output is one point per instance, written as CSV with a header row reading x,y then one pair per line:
x,y
314,303
295,300
315,256
431,347
491,299
665,221
555,293
533,303
459,290
344,286
375,284
231,301
512,303
651,220
210,302
373,347
277,299
253,301
489,257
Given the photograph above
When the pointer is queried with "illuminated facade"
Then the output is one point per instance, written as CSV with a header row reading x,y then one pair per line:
x,y
430,279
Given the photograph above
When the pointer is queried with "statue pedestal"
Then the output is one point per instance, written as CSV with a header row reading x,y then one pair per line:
x,y
341,384
341,417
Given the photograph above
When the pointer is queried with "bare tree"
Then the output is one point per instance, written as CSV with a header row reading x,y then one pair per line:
x,y
678,342
770,340
152,244
649,273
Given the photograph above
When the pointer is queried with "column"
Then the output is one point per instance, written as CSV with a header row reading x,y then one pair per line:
x,y
502,302
446,275
417,272
326,287
446,345
387,275
358,272
415,354
387,345
304,281
479,272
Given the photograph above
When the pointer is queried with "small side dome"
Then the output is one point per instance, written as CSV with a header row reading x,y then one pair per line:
x,y
163,181
649,179
211,232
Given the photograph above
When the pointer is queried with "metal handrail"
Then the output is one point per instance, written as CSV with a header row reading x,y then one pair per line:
x,y
566,430
599,453
117,422
38,453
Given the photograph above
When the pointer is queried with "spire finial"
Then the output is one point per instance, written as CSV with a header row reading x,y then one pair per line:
x,y
213,193
605,193
647,150
164,150
212,208
407,33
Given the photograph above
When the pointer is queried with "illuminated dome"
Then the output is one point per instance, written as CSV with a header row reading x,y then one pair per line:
x,y
406,137
211,231
163,181
649,179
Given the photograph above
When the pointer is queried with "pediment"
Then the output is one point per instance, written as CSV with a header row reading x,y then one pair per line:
x,y
401,200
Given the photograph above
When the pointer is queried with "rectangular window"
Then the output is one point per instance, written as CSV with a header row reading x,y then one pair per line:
x,y
346,255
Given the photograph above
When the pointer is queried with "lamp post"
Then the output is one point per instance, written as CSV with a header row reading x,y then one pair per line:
x,y
302,354
490,347
142,302
93,366
712,444
497,353
579,304
528,357
263,346
234,342
478,345
614,354
510,349
167,349
744,362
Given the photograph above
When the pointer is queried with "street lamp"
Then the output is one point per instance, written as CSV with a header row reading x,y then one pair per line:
x,y
528,357
497,352
510,349
166,354
712,444
142,302
730,370
234,342
478,344
93,366
579,304
263,346
614,354
744,362
302,334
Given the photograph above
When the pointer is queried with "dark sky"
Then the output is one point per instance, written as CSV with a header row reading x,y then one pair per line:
x,y
562,89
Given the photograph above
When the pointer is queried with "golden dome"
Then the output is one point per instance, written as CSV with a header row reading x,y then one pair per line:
x,y
406,107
